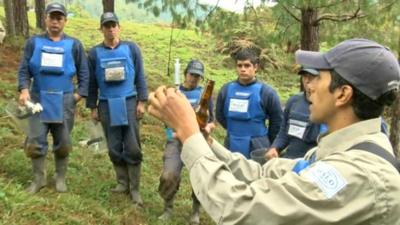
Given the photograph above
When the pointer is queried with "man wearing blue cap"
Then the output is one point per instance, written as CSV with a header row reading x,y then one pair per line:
x,y
172,168
117,95
297,134
46,72
350,178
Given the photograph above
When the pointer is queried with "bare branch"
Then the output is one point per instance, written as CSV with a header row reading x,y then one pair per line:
x,y
211,11
293,5
388,5
340,18
290,13
356,15
251,7
330,5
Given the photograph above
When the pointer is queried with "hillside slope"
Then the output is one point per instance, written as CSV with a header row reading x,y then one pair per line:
x,y
90,175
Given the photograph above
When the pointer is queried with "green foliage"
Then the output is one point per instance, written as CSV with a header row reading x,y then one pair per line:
x,y
90,175
184,13
94,8
380,24
340,20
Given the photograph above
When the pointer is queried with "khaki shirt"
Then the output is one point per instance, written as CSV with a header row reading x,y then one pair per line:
x,y
341,187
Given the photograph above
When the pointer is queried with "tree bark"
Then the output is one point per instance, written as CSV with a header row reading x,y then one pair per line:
x,y
309,29
40,13
395,125
395,120
108,6
21,18
10,23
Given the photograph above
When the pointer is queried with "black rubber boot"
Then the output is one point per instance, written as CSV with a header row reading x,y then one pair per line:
x,y
39,175
121,173
61,170
134,183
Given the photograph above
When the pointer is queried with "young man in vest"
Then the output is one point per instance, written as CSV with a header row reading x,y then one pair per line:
x,y
351,177
49,63
171,174
244,105
117,95
297,133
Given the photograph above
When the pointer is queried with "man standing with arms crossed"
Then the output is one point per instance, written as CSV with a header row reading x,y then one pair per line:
x,y
117,80
50,61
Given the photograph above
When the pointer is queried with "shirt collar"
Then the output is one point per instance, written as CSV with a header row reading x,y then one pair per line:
x,y
253,82
182,88
48,37
343,139
105,46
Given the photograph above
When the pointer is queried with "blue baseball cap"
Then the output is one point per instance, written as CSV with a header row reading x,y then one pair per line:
x,y
56,7
195,67
367,65
108,17
304,70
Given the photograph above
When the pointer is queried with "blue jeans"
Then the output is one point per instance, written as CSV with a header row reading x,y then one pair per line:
x,y
123,142
36,144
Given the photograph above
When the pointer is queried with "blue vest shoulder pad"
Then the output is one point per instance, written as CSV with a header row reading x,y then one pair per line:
x,y
193,95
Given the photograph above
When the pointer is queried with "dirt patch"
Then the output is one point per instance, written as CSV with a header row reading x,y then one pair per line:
x,y
9,62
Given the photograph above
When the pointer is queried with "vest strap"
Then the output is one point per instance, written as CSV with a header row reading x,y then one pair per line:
x,y
379,151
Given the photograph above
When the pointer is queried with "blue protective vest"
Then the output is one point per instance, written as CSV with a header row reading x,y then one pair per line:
x,y
245,117
52,66
192,95
111,58
115,91
302,132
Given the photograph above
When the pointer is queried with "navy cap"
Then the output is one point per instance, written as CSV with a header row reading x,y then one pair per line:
x,y
304,70
195,67
108,17
56,7
367,65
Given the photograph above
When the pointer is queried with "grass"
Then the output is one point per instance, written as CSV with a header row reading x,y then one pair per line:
x,y
90,174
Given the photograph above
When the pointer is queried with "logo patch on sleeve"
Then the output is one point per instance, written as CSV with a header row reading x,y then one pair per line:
x,y
327,178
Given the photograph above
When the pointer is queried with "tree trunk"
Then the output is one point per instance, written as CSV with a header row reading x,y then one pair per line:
x,y
395,125
309,29
395,120
10,23
108,5
21,18
40,13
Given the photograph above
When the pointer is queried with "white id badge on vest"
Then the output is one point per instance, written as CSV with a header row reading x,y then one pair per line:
x,y
297,128
114,69
238,105
193,101
51,60
115,74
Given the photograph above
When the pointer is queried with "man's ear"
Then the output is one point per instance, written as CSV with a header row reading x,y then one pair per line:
x,y
256,66
343,95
